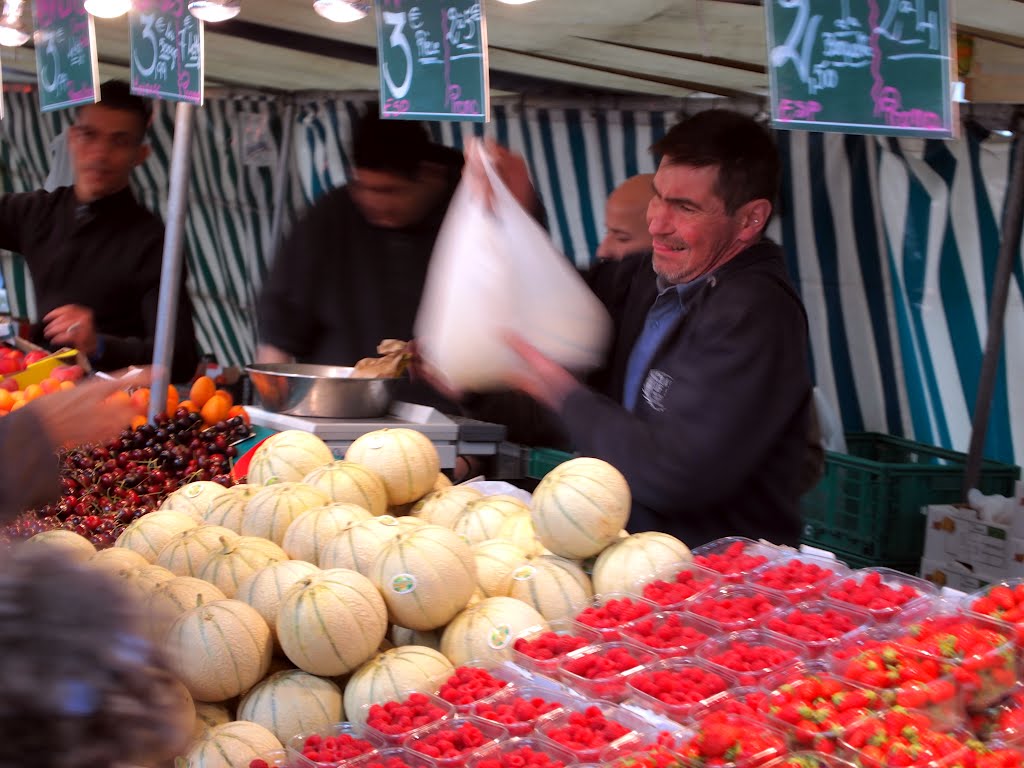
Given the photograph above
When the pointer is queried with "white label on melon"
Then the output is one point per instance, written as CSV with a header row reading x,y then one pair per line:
x,y
524,573
403,584
388,520
500,637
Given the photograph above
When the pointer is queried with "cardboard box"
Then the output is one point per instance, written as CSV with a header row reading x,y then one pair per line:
x,y
955,535
954,576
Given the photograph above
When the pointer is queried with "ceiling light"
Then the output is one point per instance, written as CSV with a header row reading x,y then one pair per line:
x,y
341,10
108,9
13,26
214,10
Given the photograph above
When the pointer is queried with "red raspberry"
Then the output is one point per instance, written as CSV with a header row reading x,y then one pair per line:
x,y
549,645
470,684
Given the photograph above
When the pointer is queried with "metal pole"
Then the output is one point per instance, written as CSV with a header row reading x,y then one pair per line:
x,y
170,274
1012,225
283,164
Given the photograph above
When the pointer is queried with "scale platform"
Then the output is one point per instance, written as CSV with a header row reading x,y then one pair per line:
x,y
339,434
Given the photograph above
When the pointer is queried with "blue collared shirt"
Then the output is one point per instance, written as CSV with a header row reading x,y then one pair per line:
x,y
668,308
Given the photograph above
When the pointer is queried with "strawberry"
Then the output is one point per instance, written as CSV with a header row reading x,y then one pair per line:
x,y
746,702
726,740
898,737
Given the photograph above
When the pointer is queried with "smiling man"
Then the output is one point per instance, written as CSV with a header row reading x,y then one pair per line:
x,y
93,252
705,403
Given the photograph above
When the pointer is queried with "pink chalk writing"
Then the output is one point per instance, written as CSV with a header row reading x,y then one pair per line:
x,y
394,107
794,109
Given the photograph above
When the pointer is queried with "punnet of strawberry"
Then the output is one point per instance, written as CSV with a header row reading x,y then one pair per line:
x,y
993,756
1003,601
752,654
746,702
981,651
396,719
673,588
541,648
734,557
676,686
523,753
586,733
901,737
469,685
814,709
602,671
332,749
809,759
818,624
453,742
798,577
651,757
520,709
1003,722
733,608
728,741
668,634
881,591
609,612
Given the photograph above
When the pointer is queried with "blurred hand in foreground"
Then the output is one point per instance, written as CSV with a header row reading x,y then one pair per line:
x,y
92,412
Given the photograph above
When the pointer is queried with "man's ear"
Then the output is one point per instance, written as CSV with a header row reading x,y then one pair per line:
x,y
143,154
754,218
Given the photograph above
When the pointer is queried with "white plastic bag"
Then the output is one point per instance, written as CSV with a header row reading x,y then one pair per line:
x,y
495,271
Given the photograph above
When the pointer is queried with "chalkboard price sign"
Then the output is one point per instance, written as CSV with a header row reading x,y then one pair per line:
x,y
65,43
433,60
862,66
167,51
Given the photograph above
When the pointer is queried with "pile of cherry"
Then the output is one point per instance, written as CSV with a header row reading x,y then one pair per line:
x,y
106,487
751,656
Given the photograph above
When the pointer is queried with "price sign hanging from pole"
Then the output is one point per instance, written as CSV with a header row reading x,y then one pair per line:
x,y
433,60
65,43
167,51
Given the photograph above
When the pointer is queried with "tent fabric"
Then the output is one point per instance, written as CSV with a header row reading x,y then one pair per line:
x,y
893,242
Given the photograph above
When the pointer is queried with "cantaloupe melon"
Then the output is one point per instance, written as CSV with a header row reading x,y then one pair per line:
x,y
151,533
404,459
314,528
482,519
487,630
518,528
351,483
444,506
580,507
288,457
495,560
232,745
404,636
391,675
630,562
228,510
265,589
117,560
210,716
557,588
235,561
426,575
331,622
441,482
357,546
187,552
292,703
194,499
477,597
219,650
142,581
171,598
269,513
76,547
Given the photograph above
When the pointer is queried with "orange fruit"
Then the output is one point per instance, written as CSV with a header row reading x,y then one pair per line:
x,y
140,398
66,385
6,401
18,396
189,406
237,410
137,421
173,400
33,392
216,409
202,390
120,397
227,396
49,386
19,404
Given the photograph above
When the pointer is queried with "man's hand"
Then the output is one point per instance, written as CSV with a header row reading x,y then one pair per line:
x,y
420,370
512,170
71,325
543,380
88,413
267,353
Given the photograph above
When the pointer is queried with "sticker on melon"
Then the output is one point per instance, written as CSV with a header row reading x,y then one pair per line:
x,y
232,745
348,482
557,588
291,703
406,460
486,631
391,675
631,562
580,507
288,457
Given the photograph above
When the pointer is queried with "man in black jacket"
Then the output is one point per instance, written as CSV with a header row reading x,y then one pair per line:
x,y
705,403
93,252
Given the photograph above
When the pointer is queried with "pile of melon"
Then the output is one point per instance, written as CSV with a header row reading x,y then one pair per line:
x,y
300,599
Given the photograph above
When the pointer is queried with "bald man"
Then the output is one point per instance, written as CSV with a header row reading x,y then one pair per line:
x,y
625,218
